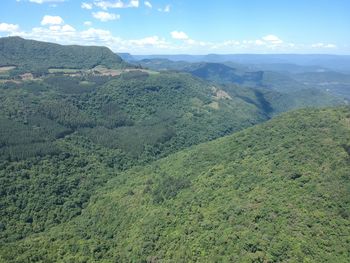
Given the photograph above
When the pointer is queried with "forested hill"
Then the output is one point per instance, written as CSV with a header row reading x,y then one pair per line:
x,y
276,192
33,55
70,134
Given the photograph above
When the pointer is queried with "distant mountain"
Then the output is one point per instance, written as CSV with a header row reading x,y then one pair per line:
x,y
187,58
222,73
162,64
284,78
336,83
31,55
334,62
280,67
126,57
216,72
276,192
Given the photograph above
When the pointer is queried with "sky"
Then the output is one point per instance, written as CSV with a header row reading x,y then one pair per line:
x,y
184,26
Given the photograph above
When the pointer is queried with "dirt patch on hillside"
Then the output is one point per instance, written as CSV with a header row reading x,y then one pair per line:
x,y
6,68
214,105
27,76
220,94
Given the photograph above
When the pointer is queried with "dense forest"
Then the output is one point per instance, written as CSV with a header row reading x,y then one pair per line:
x,y
105,161
275,192
38,57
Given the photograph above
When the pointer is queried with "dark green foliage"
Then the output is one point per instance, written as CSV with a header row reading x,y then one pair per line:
x,y
277,192
157,114
168,187
38,57
35,138
69,85
66,113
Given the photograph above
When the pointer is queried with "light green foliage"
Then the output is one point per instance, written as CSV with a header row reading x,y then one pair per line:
x,y
276,192
63,137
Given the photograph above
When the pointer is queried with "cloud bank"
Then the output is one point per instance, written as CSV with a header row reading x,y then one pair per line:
x,y
54,29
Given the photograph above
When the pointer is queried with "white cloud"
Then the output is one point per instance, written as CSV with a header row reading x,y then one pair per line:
x,y
166,9
86,6
55,28
229,43
46,1
105,16
68,28
51,20
134,3
66,34
62,29
323,45
317,45
4,27
94,36
331,46
272,39
179,35
87,23
116,4
148,41
259,42
148,4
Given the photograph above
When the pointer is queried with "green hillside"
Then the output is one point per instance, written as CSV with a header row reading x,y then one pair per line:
x,y
63,137
323,86
276,192
88,171
32,56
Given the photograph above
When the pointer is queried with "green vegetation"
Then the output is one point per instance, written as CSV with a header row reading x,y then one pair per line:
x,y
38,57
283,78
98,162
61,127
275,192
130,119
222,73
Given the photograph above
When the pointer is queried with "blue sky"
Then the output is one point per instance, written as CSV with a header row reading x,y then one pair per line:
x,y
184,26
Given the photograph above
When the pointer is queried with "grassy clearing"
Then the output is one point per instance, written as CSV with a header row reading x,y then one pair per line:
x,y
64,70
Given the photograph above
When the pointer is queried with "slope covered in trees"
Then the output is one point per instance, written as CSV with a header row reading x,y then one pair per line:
x,y
277,77
31,55
65,135
56,132
50,126
275,192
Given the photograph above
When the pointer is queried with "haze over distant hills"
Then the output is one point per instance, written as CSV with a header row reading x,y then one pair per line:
x,y
161,160
327,73
174,131
335,62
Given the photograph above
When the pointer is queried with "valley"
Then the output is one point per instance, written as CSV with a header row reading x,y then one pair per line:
x,y
159,160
